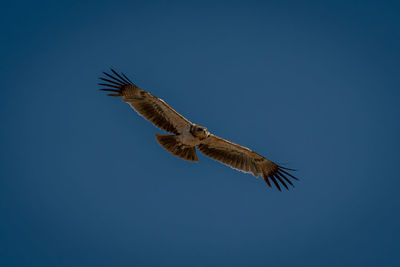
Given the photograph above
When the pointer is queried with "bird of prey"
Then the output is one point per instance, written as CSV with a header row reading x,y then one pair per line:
x,y
186,136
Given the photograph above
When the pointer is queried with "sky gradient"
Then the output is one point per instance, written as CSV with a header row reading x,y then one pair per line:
x,y
314,86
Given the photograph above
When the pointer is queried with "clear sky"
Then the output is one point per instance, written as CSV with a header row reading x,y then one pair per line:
x,y
314,85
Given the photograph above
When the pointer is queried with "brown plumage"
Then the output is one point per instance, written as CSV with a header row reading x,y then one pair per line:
x,y
174,146
187,135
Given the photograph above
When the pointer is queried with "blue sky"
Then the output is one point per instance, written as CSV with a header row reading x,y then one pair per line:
x,y
313,85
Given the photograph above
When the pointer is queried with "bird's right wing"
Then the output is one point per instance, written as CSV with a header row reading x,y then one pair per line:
x,y
145,104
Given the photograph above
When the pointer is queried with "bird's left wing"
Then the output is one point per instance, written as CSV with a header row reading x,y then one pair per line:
x,y
246,160
145,104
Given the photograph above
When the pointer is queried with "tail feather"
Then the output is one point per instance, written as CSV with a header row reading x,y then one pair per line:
x,y
175,147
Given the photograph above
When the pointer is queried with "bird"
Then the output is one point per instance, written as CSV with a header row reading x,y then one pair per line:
x,y
184,136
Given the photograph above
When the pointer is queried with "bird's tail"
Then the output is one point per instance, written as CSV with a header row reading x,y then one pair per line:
x,y
174,146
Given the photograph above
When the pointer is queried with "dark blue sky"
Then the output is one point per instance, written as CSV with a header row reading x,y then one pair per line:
x,y
314,85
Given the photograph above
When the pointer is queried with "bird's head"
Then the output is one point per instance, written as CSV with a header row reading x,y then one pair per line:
x,y
200,132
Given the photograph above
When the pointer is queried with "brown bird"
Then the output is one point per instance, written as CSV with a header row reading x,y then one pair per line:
x,y
186,136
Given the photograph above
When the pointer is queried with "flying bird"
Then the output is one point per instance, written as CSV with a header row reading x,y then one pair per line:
x,y
186,136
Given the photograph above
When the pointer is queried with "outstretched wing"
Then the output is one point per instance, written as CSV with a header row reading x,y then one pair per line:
x,y
145,104
246,160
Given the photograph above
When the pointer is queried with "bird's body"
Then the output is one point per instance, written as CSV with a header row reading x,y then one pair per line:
x,y
187,136
190,136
